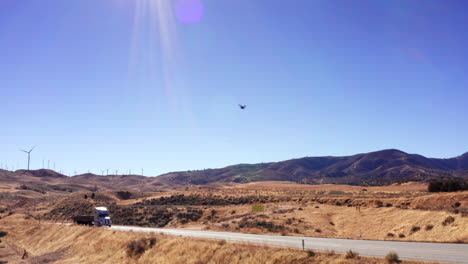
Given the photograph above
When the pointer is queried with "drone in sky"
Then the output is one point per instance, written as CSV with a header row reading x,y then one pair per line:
x,y
242,106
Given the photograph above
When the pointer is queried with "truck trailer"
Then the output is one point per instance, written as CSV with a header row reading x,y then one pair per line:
x,y
101,218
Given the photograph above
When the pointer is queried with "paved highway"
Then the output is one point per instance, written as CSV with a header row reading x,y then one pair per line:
x,y
438,252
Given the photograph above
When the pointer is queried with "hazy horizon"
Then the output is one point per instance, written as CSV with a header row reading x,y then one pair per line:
x,y
127,85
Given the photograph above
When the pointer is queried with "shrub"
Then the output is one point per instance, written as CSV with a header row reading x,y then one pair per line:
x,y
428,227
124,195
448,220
447,185
392,257
136,248
3,233
331,223
351,254
390,235
311,253
456,205
401,235
318,230
415,229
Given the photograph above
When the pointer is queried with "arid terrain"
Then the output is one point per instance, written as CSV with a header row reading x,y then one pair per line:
x,y
403,212
31,201
51,243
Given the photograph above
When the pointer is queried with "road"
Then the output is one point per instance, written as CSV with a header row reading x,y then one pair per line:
x,y
438,252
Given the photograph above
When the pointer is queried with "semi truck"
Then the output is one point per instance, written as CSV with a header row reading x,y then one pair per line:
x,y
101,218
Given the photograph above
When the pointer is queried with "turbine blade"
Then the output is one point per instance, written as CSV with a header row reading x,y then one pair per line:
x,y
23,151
32,148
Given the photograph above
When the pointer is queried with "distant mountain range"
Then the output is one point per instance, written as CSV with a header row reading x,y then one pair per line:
x,y
374,168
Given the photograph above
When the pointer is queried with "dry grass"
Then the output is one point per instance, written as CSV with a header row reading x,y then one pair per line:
x,y
374,223
396,212
76,244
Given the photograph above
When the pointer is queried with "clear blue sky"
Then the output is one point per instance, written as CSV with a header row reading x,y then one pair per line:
x,y
131,84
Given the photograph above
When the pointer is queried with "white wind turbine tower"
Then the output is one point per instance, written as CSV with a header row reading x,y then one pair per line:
x,y
29,154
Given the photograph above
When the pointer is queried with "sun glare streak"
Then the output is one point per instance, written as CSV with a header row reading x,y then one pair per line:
x,y
155,50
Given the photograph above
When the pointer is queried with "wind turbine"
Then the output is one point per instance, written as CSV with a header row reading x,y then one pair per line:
x,y
29,154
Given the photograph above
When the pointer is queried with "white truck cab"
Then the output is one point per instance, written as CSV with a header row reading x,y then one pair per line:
x,y
101,217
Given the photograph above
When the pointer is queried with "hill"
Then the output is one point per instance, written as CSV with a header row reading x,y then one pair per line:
x,y
374,168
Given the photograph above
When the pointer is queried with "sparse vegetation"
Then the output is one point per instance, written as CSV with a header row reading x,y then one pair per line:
x,y
268,225
448,220
42,241
447,185
429,227
124,195
415,229
31,188
392,258
351,254
137,247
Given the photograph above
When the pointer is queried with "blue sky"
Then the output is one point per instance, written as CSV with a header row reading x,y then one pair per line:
x,y
131,84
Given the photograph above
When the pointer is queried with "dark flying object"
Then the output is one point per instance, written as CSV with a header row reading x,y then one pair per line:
x,y
242,106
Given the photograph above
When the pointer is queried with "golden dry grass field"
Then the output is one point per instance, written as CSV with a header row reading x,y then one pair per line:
x,y
51,243
402,212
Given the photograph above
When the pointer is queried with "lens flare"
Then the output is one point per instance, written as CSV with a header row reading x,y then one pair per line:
x,y
190,11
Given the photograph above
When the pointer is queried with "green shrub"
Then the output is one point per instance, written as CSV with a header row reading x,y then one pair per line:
x,y
311,253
